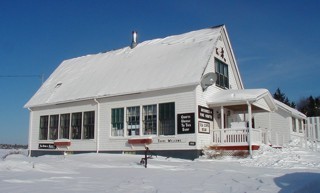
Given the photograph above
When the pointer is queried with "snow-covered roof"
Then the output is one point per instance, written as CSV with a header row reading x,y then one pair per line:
x,y
292,111
157,64
258,97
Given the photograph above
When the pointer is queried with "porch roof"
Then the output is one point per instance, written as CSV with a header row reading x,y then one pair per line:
x,y
260,99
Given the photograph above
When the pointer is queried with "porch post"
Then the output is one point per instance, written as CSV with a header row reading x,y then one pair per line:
x,y
250,128
222,123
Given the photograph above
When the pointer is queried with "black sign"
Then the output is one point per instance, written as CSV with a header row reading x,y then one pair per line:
x,y
46,146
192,143
205,113
185,123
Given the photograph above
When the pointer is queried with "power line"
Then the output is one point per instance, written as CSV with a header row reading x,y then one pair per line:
x,y
24,76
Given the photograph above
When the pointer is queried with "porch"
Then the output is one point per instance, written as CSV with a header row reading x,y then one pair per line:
x,y
239,133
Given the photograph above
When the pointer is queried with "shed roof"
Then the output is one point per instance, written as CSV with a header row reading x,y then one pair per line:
x,y
292,111
169,62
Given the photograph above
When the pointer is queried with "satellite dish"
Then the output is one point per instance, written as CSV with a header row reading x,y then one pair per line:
x,y
208,80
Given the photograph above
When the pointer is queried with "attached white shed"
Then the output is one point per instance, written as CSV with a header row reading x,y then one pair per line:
x,y
282,124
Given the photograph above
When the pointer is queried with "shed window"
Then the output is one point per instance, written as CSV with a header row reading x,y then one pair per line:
x,y
88,125
133,120
43,133
222,74
117,121
149,117
166,119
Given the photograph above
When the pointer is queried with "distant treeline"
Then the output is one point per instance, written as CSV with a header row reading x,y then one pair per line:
x,y
13,146
310,106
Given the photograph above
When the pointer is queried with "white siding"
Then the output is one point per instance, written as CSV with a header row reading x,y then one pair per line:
x,y
184,99
79,145
277,123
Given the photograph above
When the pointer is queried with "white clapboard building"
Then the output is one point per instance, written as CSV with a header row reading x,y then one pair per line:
x,y
175,95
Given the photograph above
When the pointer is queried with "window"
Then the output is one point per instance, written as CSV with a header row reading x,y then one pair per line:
x,y
117,121
166,119
43,134
64,126
54,123
222,73
149,119
294,127
76,122
88,125
133,120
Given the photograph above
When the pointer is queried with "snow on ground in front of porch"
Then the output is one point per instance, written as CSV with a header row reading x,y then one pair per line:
x,y
291,169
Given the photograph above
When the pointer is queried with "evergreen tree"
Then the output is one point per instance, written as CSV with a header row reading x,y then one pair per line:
x,y
280,96
310,106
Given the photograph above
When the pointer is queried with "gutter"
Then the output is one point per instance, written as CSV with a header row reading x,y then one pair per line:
x,y
30,132
98,124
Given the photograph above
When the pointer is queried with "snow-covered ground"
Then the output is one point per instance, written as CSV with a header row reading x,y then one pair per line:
x,y
290,169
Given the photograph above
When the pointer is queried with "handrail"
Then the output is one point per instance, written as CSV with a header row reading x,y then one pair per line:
x,y
239,136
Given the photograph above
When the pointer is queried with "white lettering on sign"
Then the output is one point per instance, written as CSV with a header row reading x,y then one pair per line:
x,y
170,141
205,113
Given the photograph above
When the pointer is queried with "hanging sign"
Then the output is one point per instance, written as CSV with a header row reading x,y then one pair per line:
x,y
185,123
205,113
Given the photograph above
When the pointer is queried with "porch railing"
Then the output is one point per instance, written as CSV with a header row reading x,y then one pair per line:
x,y
230,136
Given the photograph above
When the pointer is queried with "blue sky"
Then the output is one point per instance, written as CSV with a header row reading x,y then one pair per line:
x,y
276,43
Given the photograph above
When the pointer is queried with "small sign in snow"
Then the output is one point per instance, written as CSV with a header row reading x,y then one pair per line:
x,y
46,146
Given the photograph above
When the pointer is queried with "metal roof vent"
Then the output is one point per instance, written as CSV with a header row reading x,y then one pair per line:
x,y
134,39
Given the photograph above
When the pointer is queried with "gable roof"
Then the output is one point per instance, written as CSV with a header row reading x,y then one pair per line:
x,y
169,62
260,98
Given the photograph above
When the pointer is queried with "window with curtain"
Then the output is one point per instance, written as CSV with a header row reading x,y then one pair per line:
x,y
133,120
149,118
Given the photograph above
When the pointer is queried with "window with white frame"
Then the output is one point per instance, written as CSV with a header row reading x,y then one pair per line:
x,y
64,126
294,126
149,118
117,122
76,125
133,120
54,124
167,119
43,132
222,74
88,125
